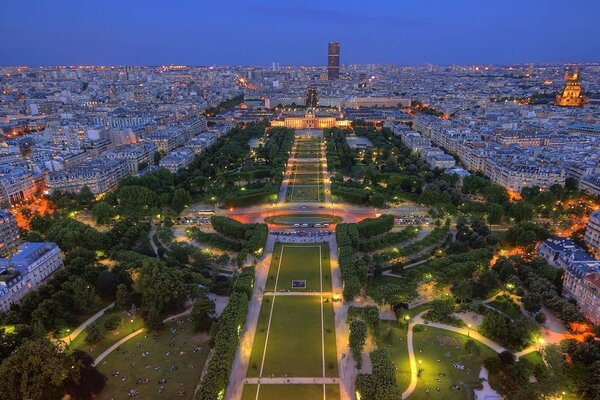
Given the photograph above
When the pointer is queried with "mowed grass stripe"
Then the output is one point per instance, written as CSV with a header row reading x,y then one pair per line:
x,y
294,346
299,262
291,392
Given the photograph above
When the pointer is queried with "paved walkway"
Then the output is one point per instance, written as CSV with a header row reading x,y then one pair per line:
x,y
418,320
319,380
133,334
68,339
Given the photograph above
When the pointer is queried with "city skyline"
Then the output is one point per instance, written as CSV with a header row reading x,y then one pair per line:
x,y
295,33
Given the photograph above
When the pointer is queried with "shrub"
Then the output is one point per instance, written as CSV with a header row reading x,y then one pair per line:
x,y
112,322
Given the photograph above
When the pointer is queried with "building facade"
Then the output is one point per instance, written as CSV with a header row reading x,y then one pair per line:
x,y
592,233
26,270
9,234
333,61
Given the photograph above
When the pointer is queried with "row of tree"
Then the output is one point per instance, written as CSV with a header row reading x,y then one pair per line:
x,y
225,336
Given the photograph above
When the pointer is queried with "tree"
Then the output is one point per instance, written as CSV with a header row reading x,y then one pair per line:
x,y
495,212
85,381
202,316
440,311
102,212
123,298
589,387
162,288
95,333
181,198
106,284
472,348
357,339
506,357
36,371
112,322
494,326
85,196
532,302
154,320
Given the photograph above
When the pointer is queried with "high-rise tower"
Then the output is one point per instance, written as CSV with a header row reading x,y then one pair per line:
x,y
333,61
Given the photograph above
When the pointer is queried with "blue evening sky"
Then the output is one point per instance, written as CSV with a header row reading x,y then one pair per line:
x,y
296,32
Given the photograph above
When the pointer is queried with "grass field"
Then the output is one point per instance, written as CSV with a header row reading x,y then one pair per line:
x,y
306,183
110,337
177,356
291,392
307,167
295,338
307,179
506,306
295,335
439,358
393,338
305,194
305,262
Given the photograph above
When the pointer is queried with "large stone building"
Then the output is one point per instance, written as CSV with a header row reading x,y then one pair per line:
x,y
581,281
9,234
26,270
592,233
571,95
100,175
311,120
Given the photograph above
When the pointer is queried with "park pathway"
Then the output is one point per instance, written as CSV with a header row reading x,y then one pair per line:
x,y
418,320
242,356
68,339
318,380
133,334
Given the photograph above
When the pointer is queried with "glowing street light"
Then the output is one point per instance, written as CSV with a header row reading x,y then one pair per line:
x,y
469,331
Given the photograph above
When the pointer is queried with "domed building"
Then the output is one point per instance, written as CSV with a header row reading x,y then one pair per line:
x,y
571,95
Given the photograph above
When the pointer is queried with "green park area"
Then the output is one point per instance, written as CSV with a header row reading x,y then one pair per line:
x,y
299,343
305,194
291,392
308,263
393,339
167,365
307,179
448,368
111,327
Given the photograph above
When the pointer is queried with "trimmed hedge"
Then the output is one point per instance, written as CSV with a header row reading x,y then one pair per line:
x,y
390,239
226,339
214,240
370,227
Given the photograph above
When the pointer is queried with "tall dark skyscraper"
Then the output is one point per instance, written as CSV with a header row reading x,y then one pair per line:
x,y
333,61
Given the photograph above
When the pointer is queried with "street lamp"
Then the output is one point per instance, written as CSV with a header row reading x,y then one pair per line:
x,y
131,325
469,331
69,336
420,370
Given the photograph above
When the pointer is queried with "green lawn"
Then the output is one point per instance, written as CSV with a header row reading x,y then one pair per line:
x,y
307,167
110,337
302,262
171,356
291,392
294,346
506,306
307,179
393,338
439,358
305,194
